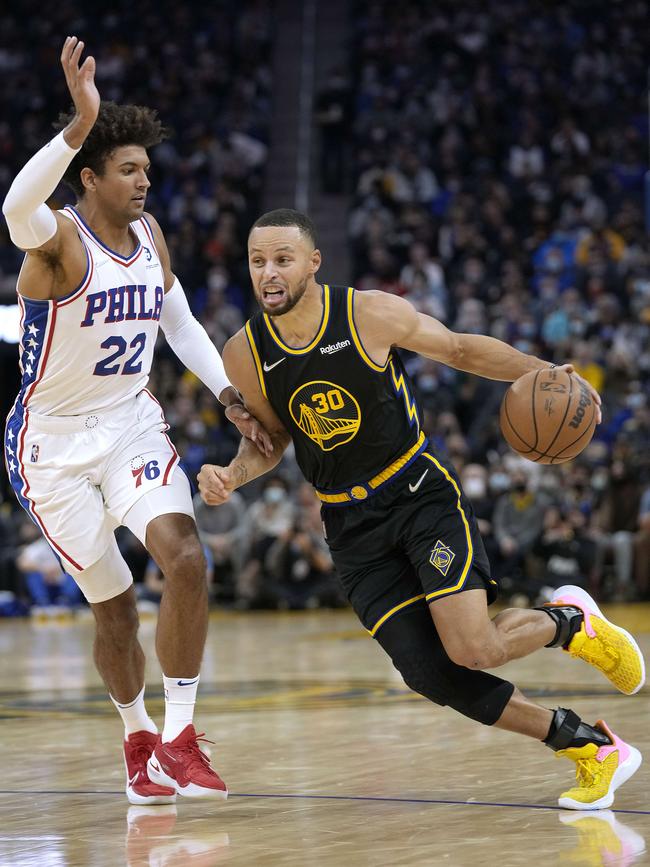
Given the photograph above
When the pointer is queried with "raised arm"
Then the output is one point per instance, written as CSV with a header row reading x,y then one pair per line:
x,y
388,320
217,483
56,260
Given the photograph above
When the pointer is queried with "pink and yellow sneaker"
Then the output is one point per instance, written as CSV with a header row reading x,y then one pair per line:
x,y
609,648
140,789
599,772
183,765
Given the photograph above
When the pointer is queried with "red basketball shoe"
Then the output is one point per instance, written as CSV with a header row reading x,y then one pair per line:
x,y
182,765
138,747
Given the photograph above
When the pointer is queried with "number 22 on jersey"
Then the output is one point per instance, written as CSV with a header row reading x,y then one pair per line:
x,y
113,363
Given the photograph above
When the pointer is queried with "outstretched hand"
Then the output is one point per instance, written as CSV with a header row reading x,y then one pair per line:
x,y
80,79
592,391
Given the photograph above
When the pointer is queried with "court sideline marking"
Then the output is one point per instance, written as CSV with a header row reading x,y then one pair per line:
x,y
270,795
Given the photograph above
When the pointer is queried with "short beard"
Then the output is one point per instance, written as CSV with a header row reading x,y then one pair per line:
x,y
291,301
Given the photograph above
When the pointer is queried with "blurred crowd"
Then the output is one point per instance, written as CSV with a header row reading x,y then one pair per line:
x,y
206,69
497,182
494,162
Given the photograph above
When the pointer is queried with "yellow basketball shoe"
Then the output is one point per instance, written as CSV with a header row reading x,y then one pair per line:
x,y
599,772
607,647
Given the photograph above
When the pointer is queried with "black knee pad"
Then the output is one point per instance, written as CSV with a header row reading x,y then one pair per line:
x,y
411,641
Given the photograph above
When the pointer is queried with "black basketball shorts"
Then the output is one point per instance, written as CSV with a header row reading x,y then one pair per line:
x,y
415,540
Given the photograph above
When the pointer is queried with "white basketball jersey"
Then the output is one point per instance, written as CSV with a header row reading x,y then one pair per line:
x,y
93,348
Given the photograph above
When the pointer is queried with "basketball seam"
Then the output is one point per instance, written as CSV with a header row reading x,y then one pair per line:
x,y
577,439
561,424
556,456
546,453
532,397
507,414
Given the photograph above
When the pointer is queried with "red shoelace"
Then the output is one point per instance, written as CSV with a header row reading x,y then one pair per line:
x,y
138,754
196,755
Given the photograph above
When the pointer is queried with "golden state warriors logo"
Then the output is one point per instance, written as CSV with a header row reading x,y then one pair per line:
x,y
441,557
326,412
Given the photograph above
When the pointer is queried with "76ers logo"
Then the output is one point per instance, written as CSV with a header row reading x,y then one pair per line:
x,y
139,468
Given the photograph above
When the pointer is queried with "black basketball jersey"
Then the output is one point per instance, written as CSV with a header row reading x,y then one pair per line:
x,y
349,417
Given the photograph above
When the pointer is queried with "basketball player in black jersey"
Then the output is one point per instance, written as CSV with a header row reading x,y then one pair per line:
x,y
320,365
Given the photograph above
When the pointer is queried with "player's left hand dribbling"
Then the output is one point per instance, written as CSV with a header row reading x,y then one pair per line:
x,y
216,484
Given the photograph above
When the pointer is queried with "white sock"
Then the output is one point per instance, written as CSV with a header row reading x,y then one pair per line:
x,y
180,696
134,715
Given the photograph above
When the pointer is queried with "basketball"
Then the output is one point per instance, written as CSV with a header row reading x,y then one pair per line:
x,y
548,416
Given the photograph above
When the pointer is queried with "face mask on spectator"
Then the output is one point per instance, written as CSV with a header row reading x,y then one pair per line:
x,y
474,487
548,482
427,382
499,482
599,482
273,495
636,400
554,262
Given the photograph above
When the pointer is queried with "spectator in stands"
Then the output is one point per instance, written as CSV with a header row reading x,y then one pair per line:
x,y
300,569
499,187
617,521
333,105
518,524
269,519
566,553
474,479
9,582
48,586
642,548
225,532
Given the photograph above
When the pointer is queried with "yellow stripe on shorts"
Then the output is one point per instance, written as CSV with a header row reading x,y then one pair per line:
x,y
468,535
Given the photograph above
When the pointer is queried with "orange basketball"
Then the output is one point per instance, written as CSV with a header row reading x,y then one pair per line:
x,y
548,416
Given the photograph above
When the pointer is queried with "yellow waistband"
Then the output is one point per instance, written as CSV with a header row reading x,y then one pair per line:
x,y
363,490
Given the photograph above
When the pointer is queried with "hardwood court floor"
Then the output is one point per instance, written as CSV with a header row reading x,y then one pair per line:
x,y
330,760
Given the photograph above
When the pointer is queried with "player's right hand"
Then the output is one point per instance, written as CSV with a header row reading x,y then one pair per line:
x,y
216,484
569,368
80,79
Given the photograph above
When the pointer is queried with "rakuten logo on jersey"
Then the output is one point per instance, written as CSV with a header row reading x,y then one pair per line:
x,y
333,347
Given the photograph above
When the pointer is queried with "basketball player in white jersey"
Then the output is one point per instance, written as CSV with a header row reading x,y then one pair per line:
x,y
86,444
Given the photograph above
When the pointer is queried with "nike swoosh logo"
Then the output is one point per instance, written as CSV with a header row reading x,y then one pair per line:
x,y
413,488
133,779
186,682
268,366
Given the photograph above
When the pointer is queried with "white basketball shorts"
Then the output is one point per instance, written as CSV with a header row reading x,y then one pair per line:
x,y
78,476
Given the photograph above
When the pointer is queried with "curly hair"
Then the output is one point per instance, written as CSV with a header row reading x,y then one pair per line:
x,y
116,126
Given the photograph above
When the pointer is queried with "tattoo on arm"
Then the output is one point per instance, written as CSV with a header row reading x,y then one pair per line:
x,y
242,474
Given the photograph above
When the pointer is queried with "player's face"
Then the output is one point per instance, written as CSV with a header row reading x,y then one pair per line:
x,y
281,261
122,188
